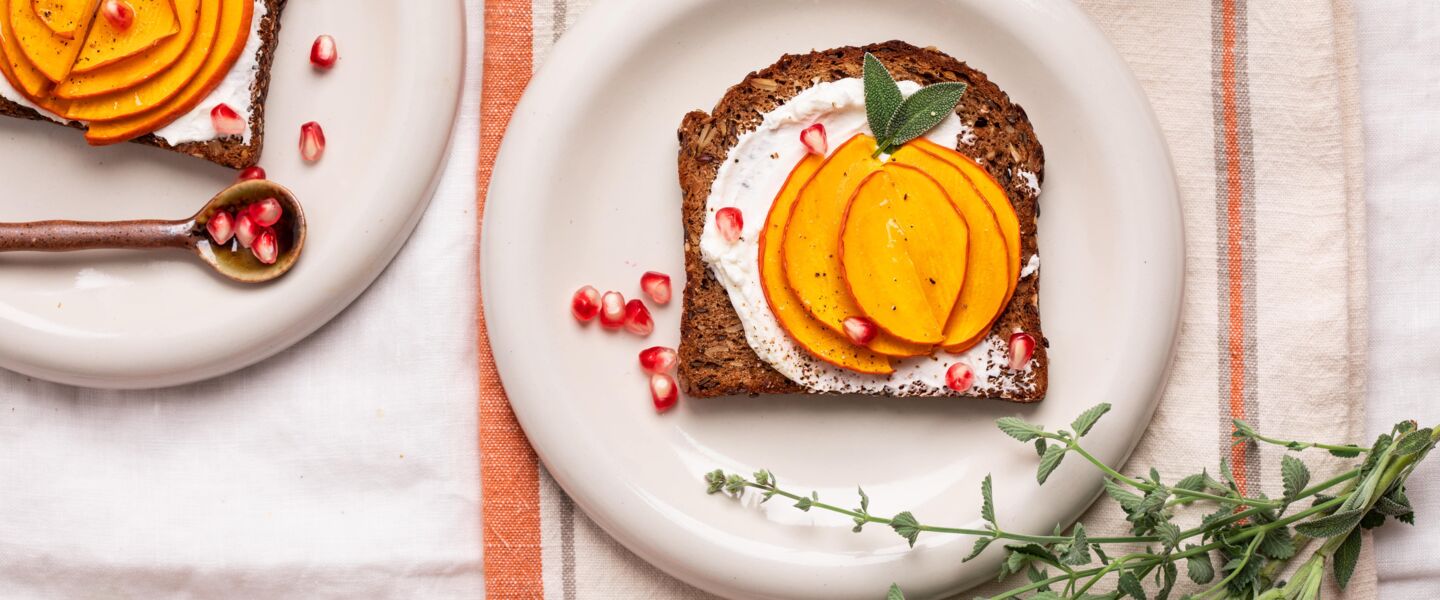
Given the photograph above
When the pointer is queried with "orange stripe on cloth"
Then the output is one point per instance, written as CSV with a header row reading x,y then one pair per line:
x,y
1234,237
509,472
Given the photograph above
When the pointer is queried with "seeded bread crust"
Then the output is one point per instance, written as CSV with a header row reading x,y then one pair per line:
x,y
715,359
229,151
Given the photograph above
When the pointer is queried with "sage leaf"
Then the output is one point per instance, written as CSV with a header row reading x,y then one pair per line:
x,y
1079,552
1048,463
1018,428
906,525
922,111
987,502
1413,442
1346,451
864,500
1331,525
895,593
882,97
1199,568
980,545
1295,475
1087,419
1131,586
1346,556
804,504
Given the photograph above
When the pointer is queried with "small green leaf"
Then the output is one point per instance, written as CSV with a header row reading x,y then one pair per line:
x,y
1413,442
906,525
1038,552
882,97
1347,451
1087,419
980,545
715,481
895,593
987,501
1331,525
1168,576
1040,447
859,524
1018,428
734,484
922,111
1295,475
1387,505
864,500
1346,557
1128,500
1242,430
1169,534
1048,463
1079,553
1277,544
1372,519
1131,586
804,504
762,477
1199,568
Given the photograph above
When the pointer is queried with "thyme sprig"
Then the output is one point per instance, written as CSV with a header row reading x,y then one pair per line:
x,y
1237,551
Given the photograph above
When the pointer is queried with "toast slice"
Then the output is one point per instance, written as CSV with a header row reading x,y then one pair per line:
x,y
230,151
715,359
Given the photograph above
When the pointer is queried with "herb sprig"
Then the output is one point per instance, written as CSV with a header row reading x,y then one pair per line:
x,y
896,119
1237,551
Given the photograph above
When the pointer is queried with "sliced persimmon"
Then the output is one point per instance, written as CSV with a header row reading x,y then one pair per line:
x,y
128,114
21,74
64,17
983,297
903,248
995,195
155,21
141,67
51,54
810,247
817,339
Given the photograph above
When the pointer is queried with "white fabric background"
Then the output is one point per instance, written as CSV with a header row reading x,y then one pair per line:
x,y
1400,93
347,467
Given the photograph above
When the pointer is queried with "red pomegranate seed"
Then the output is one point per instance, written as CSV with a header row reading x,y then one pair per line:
x,y
252,173
119,13
657,285
312,142
226,120
266,212
585,305
266,248
637,319
860,330
658,359
814,139
1022,347
664,392
323,53
612,310
960,377
246,230
730,222
221,227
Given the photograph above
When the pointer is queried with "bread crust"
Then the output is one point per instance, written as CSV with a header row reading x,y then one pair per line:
x,y
715,359
231,151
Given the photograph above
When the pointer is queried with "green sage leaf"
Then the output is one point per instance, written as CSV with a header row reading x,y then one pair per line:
x,y
804,504
895,593
1130,586
864,500
987,501
980,545
1295,475
922,111
1331,525
1413,442
1087,419
1018,428
1199,568
882,97
906,525
1079,552
1346,557
1049,462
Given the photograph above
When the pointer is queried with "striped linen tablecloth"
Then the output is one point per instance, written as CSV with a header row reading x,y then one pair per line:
x,y
1259,103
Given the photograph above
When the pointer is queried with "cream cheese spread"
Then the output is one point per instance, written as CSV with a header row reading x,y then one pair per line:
x,y
751,176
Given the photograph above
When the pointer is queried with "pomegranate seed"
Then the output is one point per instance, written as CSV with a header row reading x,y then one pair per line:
x,y
730,222
860,330
323,53
657,285
266,248
226,120
658,359
221,227
612,310
1022,348
246,230
814,139
252,173
960,377
312,142
266,212
585,305
664,392
119,13
637,319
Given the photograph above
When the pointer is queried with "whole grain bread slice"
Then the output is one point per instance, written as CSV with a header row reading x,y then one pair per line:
x,y
231,151
715,359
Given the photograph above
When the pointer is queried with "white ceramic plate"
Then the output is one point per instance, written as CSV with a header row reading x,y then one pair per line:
x,y
127,319
585,193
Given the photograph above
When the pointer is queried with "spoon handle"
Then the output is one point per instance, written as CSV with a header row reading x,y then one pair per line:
x,y
66,236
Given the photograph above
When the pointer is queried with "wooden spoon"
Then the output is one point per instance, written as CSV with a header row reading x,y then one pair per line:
x,y
229,260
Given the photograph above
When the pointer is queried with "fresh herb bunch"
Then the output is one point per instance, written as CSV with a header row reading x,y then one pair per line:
x,y
896,119
1238,551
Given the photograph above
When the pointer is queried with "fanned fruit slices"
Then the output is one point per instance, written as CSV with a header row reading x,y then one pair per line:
x,y
122,79
864,261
